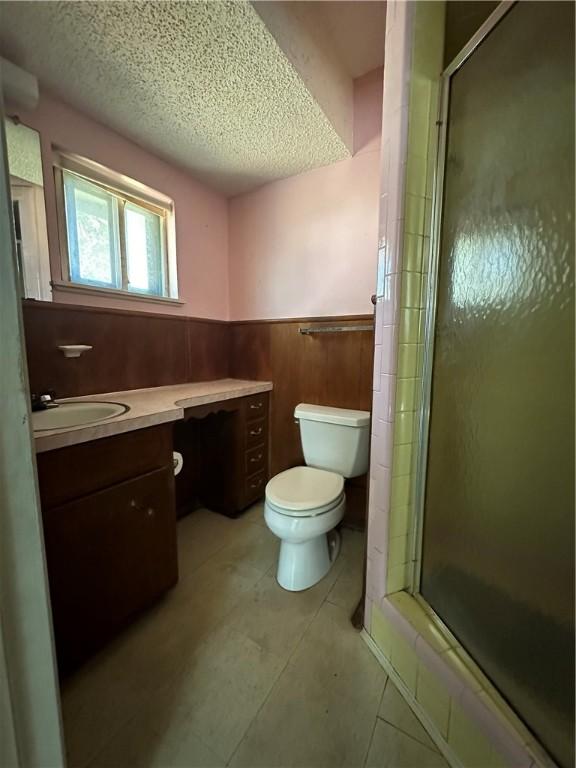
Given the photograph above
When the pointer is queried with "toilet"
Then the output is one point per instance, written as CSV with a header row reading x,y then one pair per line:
x,y
305,504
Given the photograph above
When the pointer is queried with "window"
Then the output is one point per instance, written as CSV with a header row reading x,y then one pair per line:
x,y
116,237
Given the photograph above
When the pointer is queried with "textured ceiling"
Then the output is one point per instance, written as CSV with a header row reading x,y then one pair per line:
x,y
203,84
312,55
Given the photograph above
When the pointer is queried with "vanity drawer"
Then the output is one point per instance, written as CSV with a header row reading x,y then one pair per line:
x,y
256,433
255,459
254,487
256,406
68,473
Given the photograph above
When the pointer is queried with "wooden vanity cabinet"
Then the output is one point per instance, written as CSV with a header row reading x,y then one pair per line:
x,y
108,509
256,447
233,452
110,535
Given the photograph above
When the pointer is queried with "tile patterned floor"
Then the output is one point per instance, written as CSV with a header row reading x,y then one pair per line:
x,y
229,669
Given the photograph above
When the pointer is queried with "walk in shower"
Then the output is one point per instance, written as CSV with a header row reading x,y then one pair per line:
x,y
497,483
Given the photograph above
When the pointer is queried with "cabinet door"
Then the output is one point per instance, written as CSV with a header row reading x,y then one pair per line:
x,y
109,555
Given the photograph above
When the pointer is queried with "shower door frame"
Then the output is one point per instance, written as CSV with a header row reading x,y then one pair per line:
x,y
431,296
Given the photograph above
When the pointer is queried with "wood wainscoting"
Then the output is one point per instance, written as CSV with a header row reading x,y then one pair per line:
x,y
327,369
131,350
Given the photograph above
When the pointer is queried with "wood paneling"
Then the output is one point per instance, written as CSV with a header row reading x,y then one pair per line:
x,y
131,350
326,369
136,349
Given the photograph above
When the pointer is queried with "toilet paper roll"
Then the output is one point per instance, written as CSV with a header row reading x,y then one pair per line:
x,y
178,462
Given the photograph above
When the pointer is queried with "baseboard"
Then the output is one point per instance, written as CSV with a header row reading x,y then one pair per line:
x,y
414,705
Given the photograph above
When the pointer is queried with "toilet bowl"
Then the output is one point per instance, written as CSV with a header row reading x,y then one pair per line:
x,y
305,504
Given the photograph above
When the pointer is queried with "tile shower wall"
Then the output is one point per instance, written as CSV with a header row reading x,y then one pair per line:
x,y
458,705
426,65
394,137
411,90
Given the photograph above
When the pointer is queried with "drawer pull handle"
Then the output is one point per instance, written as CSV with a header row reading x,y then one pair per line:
x,y
254,459
256,432
256,406
257,484
150,512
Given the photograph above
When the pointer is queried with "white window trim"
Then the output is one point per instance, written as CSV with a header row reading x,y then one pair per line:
x,y
135,192
119,293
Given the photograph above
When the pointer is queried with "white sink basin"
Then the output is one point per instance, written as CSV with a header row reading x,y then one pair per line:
x,y
75,415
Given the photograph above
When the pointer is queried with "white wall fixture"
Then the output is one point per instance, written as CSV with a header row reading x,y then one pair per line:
x,y
74,350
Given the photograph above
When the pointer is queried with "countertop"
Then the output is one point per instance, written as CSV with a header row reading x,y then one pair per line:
x,y
148,407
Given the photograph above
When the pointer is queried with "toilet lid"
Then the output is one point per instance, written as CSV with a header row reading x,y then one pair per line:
x,y
304,488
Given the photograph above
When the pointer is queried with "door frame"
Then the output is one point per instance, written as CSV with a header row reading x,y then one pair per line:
x,y
31,727
432,288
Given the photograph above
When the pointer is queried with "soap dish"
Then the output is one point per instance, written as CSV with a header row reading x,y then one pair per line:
x,y
74,350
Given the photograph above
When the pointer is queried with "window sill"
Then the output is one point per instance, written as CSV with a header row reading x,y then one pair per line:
x,y
113,293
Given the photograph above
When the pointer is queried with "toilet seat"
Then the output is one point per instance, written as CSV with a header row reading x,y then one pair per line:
x,y
304,492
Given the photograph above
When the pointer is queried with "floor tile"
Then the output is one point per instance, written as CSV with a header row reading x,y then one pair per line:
x,y
333,654
347,590
255,515
253,545
106,692
150,653
391,748
353,546
222,688
322,710
276,619
306,725
200,535
214,590
395,711
230,668
157,737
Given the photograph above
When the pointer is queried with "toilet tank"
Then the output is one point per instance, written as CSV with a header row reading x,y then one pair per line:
x,y
336,439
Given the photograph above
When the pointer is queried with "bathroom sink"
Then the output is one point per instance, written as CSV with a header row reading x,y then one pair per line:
x,y
75,415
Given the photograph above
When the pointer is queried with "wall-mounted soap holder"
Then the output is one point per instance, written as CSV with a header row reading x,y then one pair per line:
x,y
74,350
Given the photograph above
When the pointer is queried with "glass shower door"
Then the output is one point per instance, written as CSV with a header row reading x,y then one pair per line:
x,y
498,529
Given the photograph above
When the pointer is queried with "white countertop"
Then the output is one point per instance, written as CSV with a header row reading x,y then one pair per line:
x,y
147,407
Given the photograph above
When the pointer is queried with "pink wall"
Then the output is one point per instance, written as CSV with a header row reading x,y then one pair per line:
x,y
306,246
201,214
302,246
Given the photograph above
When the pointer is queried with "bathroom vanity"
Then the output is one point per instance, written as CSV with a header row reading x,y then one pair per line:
x,y
109,533
230,457
109,504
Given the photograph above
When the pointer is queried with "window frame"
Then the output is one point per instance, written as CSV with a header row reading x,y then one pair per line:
x,y
124,190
